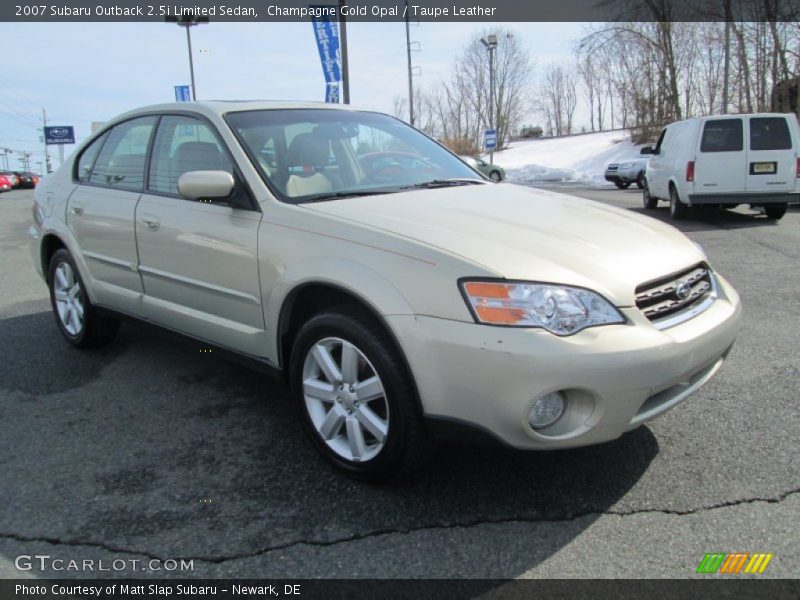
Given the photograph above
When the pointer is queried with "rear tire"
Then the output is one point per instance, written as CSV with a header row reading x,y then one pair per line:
x,y
677,209
650,202
78,320
372,434
775,211
623,185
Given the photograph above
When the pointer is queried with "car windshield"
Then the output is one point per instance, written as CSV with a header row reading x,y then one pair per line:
x,y
308,155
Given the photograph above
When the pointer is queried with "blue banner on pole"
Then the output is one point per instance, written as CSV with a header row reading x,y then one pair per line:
x,y
326,32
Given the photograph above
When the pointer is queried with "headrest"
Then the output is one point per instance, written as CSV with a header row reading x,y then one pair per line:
x,y
307,149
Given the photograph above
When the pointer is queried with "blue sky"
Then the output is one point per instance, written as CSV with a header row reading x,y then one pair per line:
x,y
84,72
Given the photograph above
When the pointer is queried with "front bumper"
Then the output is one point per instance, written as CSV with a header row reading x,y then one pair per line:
x,y
615,377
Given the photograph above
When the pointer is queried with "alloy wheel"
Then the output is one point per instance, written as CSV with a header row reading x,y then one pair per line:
x,y
345,399
69,302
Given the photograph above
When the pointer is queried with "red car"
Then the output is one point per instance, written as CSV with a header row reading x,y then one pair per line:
x,y
5,183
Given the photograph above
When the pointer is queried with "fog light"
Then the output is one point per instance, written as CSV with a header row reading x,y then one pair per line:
x,y
547,410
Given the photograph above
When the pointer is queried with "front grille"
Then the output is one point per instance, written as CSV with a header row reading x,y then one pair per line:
x,y
675,293
612,168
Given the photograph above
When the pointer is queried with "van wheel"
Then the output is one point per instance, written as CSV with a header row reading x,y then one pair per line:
x,y
78,321
775,211
355,396
650,202
623,185
641,181
677,209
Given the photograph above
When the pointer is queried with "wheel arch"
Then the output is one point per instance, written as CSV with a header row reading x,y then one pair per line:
x,y
314,296
49,245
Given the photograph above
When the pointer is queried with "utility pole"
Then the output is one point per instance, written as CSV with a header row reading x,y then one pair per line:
x,y
44,139
6,152
726,73
25,160
188,20
410,75
343,50
491,44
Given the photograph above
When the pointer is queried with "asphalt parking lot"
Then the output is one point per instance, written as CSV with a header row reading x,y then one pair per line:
x,y
150,450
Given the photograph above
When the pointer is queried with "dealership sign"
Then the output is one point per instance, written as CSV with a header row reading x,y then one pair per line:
x,y
59,135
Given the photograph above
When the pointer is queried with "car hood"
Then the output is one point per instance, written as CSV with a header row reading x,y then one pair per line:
x,y
530,234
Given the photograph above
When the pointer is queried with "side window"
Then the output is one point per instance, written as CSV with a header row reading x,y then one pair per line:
x,y
185,144
657,149
121,161
89,155
722,135
769,133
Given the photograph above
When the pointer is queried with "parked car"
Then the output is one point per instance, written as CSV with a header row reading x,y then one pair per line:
x,y
12,178
395,311
493,172
623,174
6,183
26,179
726,161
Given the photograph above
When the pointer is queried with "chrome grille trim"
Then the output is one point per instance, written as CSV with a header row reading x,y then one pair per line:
x,y
678,297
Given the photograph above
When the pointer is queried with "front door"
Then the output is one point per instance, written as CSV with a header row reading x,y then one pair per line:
x,y
198,260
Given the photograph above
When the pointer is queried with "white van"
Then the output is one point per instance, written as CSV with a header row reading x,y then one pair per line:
x,y
726,161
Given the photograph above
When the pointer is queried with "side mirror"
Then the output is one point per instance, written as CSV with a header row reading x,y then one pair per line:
x,y
647,150
206,185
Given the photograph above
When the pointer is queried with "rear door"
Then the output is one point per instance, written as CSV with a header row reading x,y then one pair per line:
x,y
198,260
721,159
100,212
771,155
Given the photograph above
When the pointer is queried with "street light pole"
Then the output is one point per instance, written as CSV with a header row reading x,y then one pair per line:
x,y
188,20
490,41
410,74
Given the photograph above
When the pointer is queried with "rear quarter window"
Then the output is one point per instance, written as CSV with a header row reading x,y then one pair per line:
x,y
722,135
769,133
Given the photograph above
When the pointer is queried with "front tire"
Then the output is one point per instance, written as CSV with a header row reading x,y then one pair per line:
x,y
623,185
677,209
495,176
78,320
775,211
355,397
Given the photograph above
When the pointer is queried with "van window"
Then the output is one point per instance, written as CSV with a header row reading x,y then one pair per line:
x,y
769,133
722,135
657,149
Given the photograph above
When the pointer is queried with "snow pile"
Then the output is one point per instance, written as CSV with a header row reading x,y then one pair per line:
x,y
579,158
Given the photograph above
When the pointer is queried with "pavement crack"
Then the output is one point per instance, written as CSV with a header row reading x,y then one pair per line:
x,y
396,531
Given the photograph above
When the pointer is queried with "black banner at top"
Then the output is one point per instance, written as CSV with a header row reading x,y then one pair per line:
x,y
399,10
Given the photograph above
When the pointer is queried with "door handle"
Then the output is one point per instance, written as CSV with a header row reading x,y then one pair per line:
x,y
76,210
151,222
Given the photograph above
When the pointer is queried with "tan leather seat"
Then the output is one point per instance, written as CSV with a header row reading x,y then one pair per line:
x,y
306,155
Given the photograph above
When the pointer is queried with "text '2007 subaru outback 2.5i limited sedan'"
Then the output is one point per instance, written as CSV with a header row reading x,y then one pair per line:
x,y
395,302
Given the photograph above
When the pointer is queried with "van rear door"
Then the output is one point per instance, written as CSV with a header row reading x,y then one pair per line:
x,y
721,160
771,155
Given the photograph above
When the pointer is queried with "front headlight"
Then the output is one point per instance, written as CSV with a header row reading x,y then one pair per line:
x,y
560,309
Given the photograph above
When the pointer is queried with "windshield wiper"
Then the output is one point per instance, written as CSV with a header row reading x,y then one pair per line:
x,y
339,195
437,183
